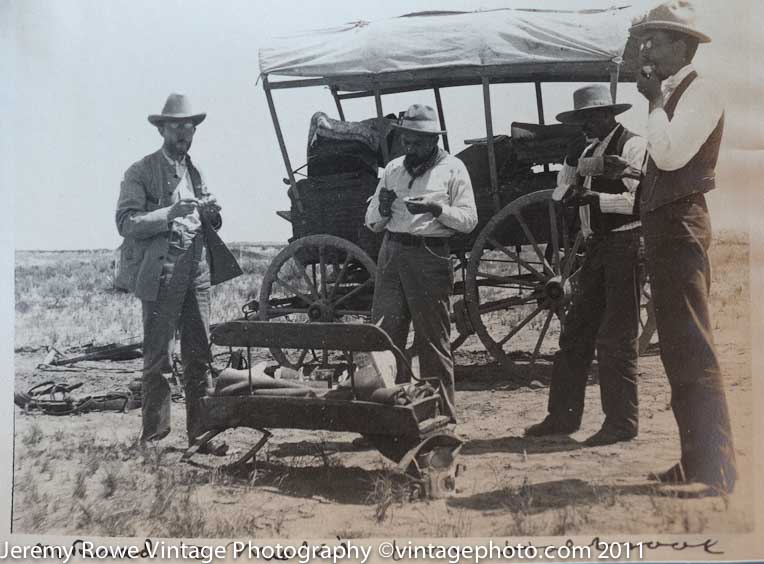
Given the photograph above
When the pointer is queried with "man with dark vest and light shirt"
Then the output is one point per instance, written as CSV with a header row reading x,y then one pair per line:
x,y
600,175
684,132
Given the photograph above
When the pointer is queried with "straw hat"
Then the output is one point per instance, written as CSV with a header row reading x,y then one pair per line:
x,y
177,107
420,119
588,98
676,15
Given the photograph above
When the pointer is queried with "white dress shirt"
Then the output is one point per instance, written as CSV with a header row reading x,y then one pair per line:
x,y
448,183
623,203
672,144
188,225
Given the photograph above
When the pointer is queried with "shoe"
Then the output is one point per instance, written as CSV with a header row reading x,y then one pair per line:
x,y
214,449
607,436
717,484
674,475
361,443
550,426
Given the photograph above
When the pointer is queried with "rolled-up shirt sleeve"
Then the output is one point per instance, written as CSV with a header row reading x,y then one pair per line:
x,y
374,220
461,214
673,143
634,152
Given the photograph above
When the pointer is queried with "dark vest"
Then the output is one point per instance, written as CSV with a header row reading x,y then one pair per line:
x,y
661,187
606,222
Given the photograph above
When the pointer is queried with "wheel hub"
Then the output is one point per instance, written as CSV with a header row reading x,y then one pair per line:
x,y
321,311
557,291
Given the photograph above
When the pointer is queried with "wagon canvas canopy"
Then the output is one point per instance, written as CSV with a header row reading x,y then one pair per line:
x,y
456,48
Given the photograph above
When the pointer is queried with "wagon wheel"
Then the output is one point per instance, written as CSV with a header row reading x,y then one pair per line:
x,y
317,278
517,297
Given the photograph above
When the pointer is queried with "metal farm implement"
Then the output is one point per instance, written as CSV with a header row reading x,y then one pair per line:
x,y
413,433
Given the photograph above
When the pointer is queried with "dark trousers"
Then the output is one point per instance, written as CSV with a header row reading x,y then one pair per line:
x,y
413,285
183,304
677,237
604,313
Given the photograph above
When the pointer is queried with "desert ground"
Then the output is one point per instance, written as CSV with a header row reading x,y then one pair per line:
x,y
86,474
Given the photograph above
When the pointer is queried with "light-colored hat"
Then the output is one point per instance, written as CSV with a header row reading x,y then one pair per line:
x,y
589,98
676,15
177,107
420,119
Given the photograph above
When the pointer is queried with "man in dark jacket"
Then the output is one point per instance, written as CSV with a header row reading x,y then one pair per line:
x,y
167,218
684,132
600,175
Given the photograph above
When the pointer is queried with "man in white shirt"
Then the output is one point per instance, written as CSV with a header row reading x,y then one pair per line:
x,y
601,175
684,133
422,199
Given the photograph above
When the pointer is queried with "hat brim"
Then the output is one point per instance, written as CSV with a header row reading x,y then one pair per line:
x,y
579,115
644,27
159,119
421,131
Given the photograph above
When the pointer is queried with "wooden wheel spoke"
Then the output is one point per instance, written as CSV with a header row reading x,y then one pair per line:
x,y
517,259
354,292
544,329
308,281
565,235
571,258
506,303
322,269
291,289
522,324
340,277
532,240
554,235
301,358
274,312
511,279
352,312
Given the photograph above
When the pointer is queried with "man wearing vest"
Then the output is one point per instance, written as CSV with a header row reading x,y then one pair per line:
x,y
684,132
601,176
422,199
168,220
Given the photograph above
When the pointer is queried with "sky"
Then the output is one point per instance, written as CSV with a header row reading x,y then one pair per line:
x,y
86,73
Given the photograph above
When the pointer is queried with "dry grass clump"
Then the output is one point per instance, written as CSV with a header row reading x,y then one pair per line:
x,y
67,298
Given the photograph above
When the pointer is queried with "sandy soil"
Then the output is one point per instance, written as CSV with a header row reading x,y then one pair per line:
x,y
84,474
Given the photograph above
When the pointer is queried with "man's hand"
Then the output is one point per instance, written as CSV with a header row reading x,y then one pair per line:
x,y
423,204
584,198
386,198
615,167
650,88
182,208
574,150
209,208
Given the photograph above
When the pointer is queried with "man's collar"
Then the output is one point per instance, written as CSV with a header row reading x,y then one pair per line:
x,y
172,161
607,138
670,84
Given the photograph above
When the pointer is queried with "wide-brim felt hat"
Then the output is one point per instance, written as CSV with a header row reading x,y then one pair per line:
x,y
676,15
420,119
177,108
596,96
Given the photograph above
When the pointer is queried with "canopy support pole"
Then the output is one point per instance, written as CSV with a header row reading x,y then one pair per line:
x,y
381,115
441,117
540,110
282,145
338,102
489,139
614,74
